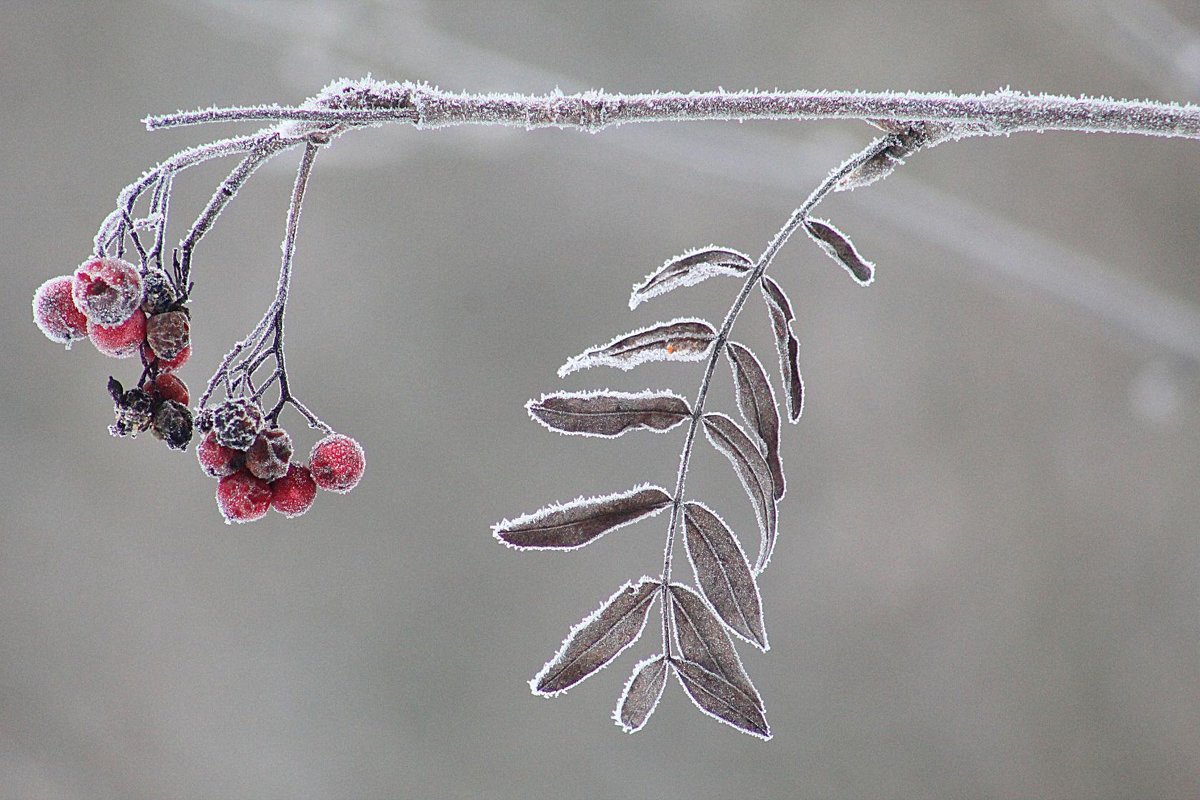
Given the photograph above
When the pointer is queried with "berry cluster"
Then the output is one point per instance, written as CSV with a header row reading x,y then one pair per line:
x,y
254,467
126,311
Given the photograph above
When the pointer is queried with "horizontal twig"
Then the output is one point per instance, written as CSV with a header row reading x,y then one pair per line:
x,y
370,102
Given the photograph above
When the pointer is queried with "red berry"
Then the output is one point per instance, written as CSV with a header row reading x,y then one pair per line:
x,y
268,457
216,460
293,494
168,334
55,313
119,341
168,387
107,290
243,497
337,463
166,365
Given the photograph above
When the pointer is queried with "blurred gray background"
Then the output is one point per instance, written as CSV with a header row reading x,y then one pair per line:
x,y
988,577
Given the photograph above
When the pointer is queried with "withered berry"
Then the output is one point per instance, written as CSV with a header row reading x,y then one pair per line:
x,y
237,423
167,334
133,408
157,291
270,454
172,422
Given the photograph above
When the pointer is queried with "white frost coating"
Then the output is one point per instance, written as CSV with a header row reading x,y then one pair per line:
x,y
595,357
550,508
766,645
637,669
706,712
643,394
629,586
690,277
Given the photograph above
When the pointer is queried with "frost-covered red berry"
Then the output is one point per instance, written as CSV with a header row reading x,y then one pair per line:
x,y
165,364
293,494
107,290
122,340
243,497
337,463
55,313
237,423
167,334
269,456
168,387
215,459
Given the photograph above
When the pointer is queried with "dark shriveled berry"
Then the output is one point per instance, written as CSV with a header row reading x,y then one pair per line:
x,y
134,410
237,423
167,334
157,292
172,422
269,456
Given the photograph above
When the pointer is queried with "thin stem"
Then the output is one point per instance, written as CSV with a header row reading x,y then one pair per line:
x,y
262,152
180,161
370,102
266,340
764,262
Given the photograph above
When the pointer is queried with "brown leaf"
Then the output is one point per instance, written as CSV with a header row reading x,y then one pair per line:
x,y
751,468
703,639
567,526
723,573
598,638
677,340
786,344
608,413
756,402
839,247
642,693
689,269
721,700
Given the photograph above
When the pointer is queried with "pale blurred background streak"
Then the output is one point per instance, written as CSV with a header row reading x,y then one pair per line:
x,y
987,583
